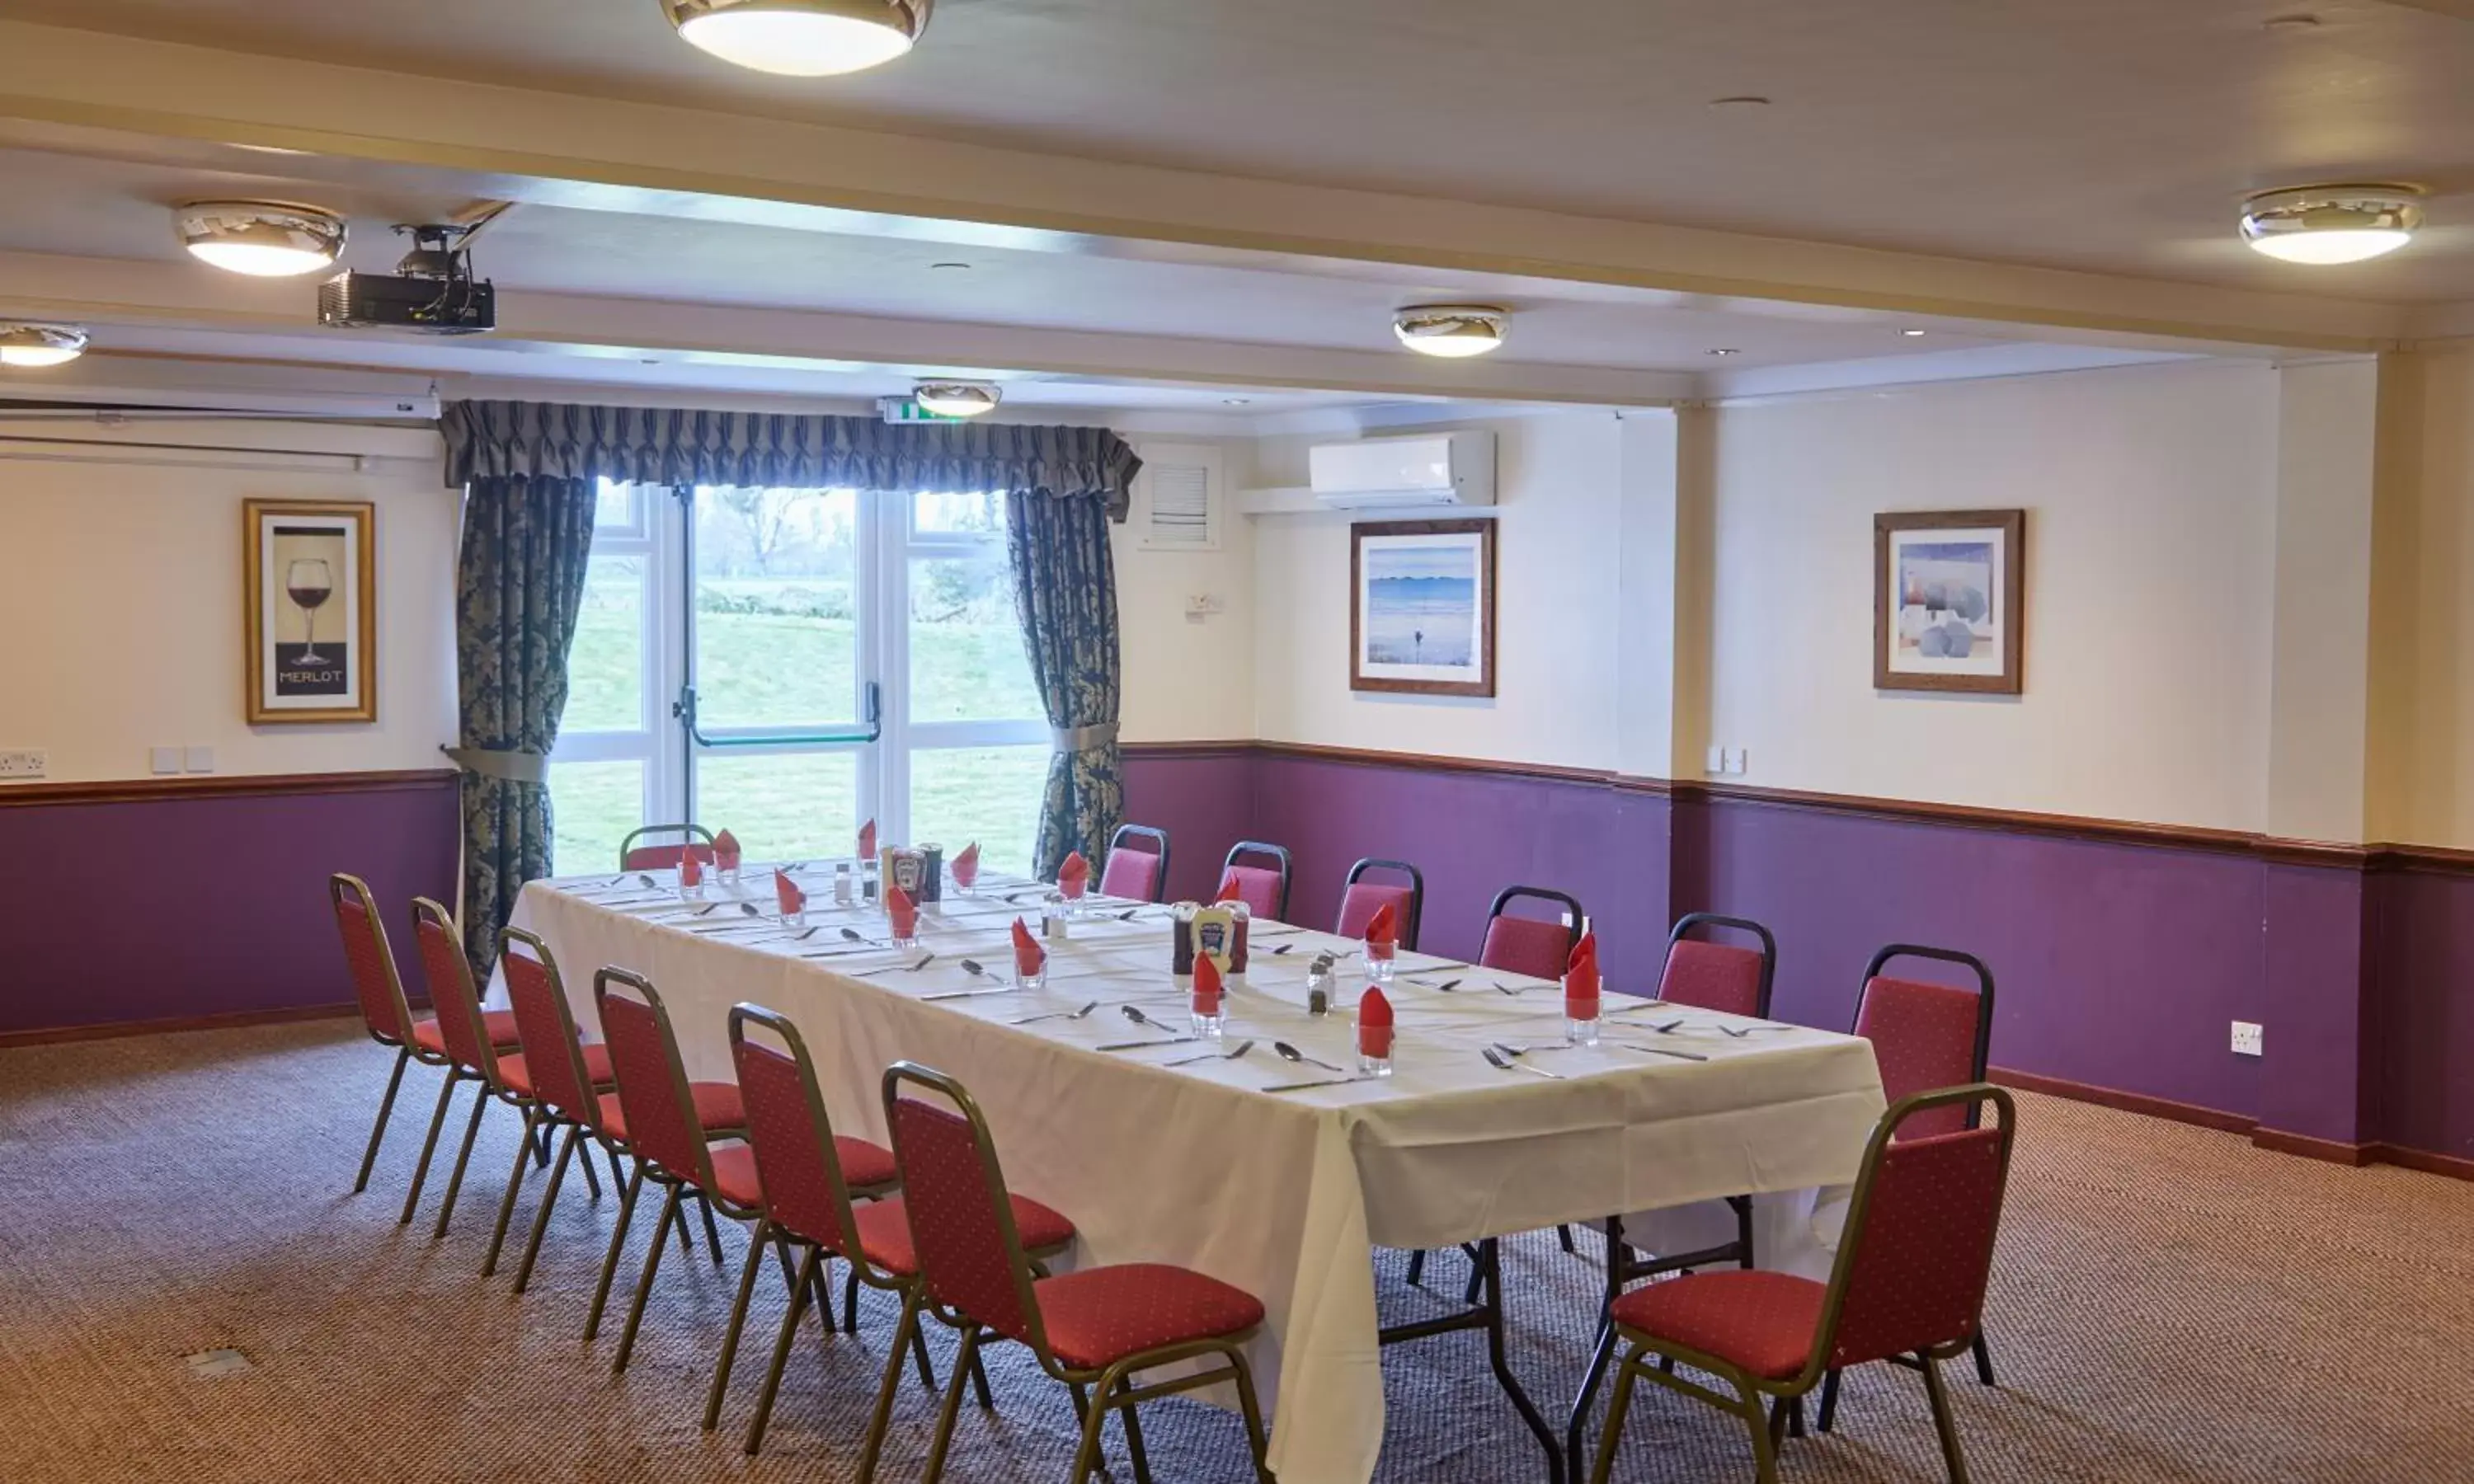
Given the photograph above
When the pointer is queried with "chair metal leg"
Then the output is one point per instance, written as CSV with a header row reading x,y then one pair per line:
x,y
1476,1281
617,1176
1133,1435
712,1234
1617,1409
1416,1260
1944,1422
850,1302
1094,1416
592,1181
618,1240
541,1150
569,1154
782,1339
1828,1403
1983,1360
738,1322
919,1354
377,1130
951,1409
463,1156
644,1281
1252,1411
882,1420
508,1201
429,1147
1764,1448
1563,1236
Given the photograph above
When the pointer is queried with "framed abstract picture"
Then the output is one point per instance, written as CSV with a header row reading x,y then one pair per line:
x,y
309,595
1946,600
1421,607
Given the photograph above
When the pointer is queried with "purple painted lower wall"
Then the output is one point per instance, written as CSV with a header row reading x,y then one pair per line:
x,y
173,907
2419,1063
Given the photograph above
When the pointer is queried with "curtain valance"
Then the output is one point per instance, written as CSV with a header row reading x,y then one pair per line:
x,y
684,446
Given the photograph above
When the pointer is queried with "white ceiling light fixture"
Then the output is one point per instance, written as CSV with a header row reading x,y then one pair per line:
x,y
40,344
264,239
802,39
1456,331
956,398
2325,225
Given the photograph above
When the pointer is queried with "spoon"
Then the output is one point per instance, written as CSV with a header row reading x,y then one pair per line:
x,y
1283,948
1135,1013
1444,988
971,968
749,908
1292,1054
1499,1060
1058,1014
1229,1055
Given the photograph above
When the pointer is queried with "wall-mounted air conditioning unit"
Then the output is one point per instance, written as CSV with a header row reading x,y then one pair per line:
x,y
1405,472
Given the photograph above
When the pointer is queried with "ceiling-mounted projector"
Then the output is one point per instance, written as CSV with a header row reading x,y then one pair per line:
x,y
432,289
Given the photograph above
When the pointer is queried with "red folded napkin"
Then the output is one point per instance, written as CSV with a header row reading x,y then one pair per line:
x,y
1373,1025
690,868
725,850
903,912
788,893
1028,955
1206,986
1229,891
965,867
1384,929
1073,874
1581,979
868,841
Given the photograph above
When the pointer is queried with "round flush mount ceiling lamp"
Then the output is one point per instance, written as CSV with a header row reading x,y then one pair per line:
x,y
40,344
264,239
956,398
802,39
1454,330
2322,225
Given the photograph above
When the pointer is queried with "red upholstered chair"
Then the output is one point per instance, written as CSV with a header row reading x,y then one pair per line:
x,y
829,1196
1909,1287
663,1118
1260,874
378,990
1533,945
1361,898
634,855
1137,868
556,1077
1726,977
1094,1327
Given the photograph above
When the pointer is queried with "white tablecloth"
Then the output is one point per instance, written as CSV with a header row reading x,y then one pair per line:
x,y
1281,1194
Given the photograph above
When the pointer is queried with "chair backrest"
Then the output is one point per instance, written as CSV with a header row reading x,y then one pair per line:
x,y
546,1027
1927,1036
449,974
1260,872
662,1123
1360,900
1137,868
1722,976
633,857
793,1137
1537,947
1918,1246
953,1192
376,986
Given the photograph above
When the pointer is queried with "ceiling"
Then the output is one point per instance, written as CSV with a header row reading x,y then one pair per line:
x,y
2105,135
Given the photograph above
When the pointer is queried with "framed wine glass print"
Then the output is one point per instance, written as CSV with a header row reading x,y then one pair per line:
x,y
309,588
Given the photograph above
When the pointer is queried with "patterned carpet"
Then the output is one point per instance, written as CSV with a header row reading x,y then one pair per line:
x,y
2171,1305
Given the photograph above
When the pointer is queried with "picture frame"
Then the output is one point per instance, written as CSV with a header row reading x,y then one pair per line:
x,y
1421,607
309,610
1949,601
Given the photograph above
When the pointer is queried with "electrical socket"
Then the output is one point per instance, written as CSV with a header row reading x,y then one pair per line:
x,y
2248,1038
27,764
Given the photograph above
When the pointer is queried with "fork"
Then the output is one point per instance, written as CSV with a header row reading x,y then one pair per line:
x,y
1058,1014
1229,1055
1497,1058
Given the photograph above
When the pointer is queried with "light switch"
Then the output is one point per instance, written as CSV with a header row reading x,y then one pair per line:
x,y
1734,759
201,759
166,760
1716,761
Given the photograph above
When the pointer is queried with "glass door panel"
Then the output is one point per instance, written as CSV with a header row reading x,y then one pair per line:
x,y
987,794
778,585
781,806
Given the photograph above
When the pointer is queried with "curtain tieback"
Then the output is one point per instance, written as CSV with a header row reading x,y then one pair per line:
x,y
1075,740
514,765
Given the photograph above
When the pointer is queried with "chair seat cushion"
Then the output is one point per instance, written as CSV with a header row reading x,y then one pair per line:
x,y
519,1077
1763,1322
499,1024
718,1106
1100,1316
885,1231
735,1175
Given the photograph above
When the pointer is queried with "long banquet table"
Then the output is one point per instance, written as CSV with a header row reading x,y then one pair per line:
x,y
1284,1194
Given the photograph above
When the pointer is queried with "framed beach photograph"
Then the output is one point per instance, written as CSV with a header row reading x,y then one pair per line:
x,y
309,595
1945,600
1421,607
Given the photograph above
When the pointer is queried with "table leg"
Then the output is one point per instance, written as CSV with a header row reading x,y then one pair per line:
x,y
1487,1315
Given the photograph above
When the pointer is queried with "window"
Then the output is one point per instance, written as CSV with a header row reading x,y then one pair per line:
x,y
791,662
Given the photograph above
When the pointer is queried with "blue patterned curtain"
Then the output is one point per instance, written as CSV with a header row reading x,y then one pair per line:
x,y
1065,590
520,586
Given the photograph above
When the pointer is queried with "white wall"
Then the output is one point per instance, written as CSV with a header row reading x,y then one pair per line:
x,y
1188,678
2151,501
120,592
1558,483
2423,617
